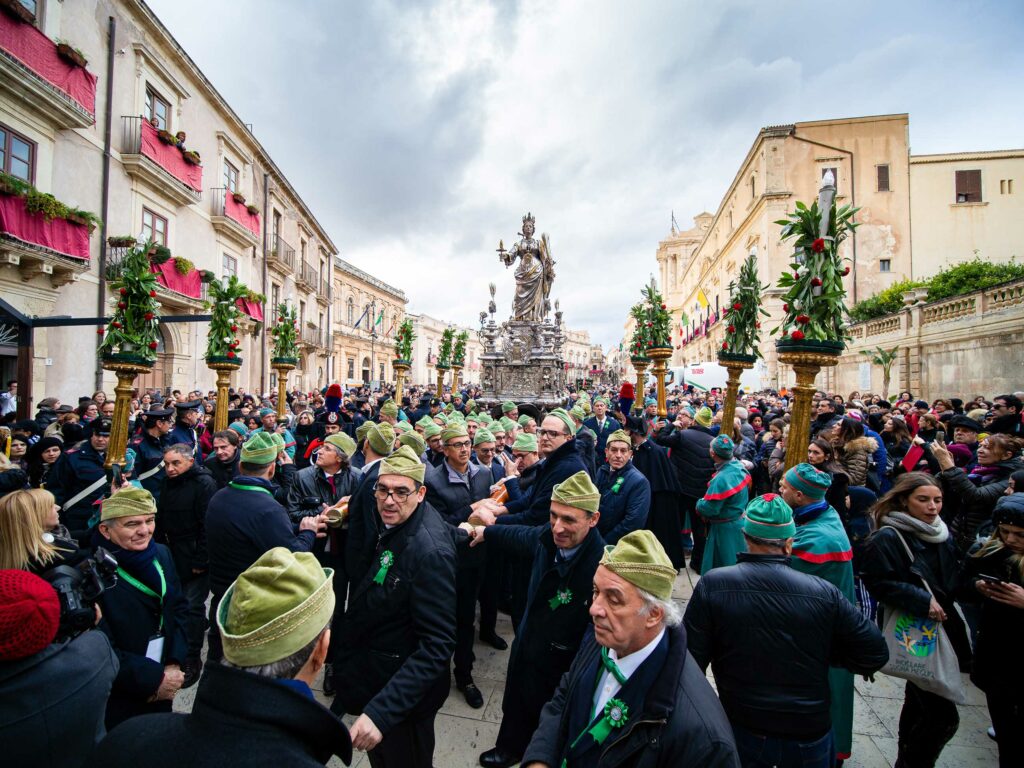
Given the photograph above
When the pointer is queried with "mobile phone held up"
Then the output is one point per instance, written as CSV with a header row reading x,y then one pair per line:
x,y
990,579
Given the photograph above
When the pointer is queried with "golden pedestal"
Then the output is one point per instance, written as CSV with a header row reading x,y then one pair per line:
x,y
807,361
456,372
224,370
660,355
401,368
126,368
735,365
640,366
282,367
440,381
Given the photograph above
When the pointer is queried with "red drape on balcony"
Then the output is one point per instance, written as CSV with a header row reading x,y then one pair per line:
x,y
33,228
39,53
252,308
168,157
168,276
240,213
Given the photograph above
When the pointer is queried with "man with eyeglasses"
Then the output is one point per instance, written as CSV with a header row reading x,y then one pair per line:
x,y
149,446
1006,412
457,489
399,628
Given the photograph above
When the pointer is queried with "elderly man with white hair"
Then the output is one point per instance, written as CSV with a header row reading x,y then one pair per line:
x,y
633,686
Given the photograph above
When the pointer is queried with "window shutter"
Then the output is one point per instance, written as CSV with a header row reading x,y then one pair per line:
x,y
968,186
883,178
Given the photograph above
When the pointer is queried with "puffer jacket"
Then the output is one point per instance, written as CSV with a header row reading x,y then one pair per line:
x,y
855,457
689,452
735,621
966,505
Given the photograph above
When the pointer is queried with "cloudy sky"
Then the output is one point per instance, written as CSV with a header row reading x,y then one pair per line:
x,y
421,132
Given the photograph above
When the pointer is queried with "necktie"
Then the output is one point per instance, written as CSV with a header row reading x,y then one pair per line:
x,y
612,667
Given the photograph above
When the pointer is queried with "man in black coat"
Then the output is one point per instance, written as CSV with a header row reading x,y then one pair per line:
x,y
564,555
78,480
633,695
244,520
690,453
399,628
378,443
185,492
149,446
457,489
223,461
602,425
770,633
652,461
257,709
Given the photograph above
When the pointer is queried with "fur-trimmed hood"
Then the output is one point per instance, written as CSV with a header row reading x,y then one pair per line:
x,y
861,444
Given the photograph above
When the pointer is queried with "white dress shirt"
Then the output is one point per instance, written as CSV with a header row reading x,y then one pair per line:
x,y
608,686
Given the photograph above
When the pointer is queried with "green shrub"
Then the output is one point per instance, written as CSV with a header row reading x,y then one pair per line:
x,y
970,276
884,303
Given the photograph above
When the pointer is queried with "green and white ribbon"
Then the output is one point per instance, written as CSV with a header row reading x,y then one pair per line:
x,y
562,597
618,484
387,559
616,713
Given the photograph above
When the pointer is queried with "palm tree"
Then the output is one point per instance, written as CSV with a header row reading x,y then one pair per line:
x,y
885,358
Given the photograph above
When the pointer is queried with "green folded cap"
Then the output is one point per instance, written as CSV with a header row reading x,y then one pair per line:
x,y
524,419
363,429
483,435
811,482
509,424
275,608
704,416
508,406
381,438
424,422
414,441
390,408
525,442
342,442
640,559
403,462
578,413
601,400
619,436
452,431
403,426
128,502
769,517
261,448
433,429
578,491
563,415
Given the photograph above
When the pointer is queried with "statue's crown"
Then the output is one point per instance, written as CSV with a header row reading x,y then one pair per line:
x,y
529,218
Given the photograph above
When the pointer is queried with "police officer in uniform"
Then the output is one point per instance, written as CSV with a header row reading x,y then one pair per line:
x,y
149,446
185,427
78,479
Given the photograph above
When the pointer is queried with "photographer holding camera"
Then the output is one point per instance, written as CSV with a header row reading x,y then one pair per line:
x,y
48,686
145,613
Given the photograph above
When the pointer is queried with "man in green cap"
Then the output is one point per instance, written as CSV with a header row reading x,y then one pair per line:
x,y
510,409
822,548
625,492
563,556
378,444
723,504
457,489
244,520
633,686
602,425
586,441
435,449
776,686
399,629
274,620
528,423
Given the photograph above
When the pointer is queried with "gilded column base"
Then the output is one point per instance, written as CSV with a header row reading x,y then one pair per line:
x,y
806,365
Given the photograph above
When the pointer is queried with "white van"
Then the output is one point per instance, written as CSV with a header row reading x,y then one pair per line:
x,y
709,375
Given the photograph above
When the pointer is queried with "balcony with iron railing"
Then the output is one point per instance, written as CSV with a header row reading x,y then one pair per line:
x,y
307,277
233,219
314,337
326,293
161,166
189,293
281,256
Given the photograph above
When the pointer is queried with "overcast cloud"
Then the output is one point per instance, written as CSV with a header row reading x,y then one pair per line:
x,y
419,133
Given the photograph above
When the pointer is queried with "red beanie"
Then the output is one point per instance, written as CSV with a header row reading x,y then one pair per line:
x,y
29,614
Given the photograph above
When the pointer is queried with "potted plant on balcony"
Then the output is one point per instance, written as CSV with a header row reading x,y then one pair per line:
x,y
252,209
166,137
160,254
12,185
121,241
45,204
17,10
743,315
183,266
132,335
83,218
222,340
71,54
238,197
285,348
404,338
191,157
207,276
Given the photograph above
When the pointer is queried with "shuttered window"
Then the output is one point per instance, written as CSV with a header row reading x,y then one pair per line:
x,y
968,186
883,177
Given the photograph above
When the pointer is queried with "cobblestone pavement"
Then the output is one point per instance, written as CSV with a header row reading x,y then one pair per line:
x,y
463,733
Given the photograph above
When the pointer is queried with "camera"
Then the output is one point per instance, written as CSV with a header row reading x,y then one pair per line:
x,y
78,587
311,504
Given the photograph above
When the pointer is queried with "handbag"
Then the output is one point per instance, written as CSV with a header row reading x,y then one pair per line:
x,y
919,651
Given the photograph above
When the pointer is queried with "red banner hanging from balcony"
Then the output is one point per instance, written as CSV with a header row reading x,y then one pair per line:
x,y
168,157
252,308
240,213
39,54
168,276
58,235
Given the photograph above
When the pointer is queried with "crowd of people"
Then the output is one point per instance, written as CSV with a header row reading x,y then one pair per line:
x,y
374,541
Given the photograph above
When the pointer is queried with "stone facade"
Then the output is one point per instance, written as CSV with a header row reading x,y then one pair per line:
x,y
428,339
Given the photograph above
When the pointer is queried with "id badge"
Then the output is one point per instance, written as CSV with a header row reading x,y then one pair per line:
x,y
155,648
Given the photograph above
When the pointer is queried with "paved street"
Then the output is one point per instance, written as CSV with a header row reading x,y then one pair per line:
x,y
463,733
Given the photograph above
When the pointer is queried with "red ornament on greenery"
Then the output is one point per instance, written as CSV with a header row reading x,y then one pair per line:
x,y
99,331
796,275
803,319
785,307
123,291
798,335
725,345
737,306
231,354
234,328
152,294
846,272
153,345
818,245
121,305
731,329
149,316
815,281
115,324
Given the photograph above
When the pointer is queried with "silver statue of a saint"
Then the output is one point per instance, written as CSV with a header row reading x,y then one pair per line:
x,y
534,275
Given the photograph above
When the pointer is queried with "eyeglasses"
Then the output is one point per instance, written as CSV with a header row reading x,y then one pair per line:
x,y
551,433
399,494
460,446
485,451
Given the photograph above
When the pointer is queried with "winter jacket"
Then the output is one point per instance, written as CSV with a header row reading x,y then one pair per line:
x,y
770,633
625,501
855,456
602,432
969,505
181,522
238,720
311,482
679,723
398,636
223,473
586,445
51,703
689,450
534,508
1001,625
77,469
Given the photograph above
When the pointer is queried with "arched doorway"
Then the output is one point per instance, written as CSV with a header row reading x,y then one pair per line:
x,y
159,376
366,370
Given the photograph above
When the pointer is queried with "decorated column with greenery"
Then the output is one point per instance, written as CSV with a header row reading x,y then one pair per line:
x,y
659,339
458,358
130,339
742,345
404,338
444,358
638,347
813,328
222,343
284,354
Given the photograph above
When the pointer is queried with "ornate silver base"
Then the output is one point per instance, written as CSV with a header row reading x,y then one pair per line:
x,y
523,363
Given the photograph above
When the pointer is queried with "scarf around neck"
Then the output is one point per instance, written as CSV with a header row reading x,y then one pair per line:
x,y
932,534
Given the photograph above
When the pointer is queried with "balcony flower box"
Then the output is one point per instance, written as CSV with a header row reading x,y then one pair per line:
x,y
238,197
238,212
170,158
71,55
191,157
16,10
55,234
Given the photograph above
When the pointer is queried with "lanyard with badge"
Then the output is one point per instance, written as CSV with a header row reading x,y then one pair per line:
x,y
155,648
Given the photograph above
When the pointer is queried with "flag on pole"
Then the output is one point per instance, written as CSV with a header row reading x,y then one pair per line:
x,y
360,320
702,299
380,318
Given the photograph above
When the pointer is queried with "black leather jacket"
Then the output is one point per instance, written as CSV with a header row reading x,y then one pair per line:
x,y
770,634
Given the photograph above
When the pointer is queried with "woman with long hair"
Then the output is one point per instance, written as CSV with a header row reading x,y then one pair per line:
x,y
975,493
908,518
41,458
19,451
99,397
822,456
88,411
996,573
31,537
854,450
305,431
